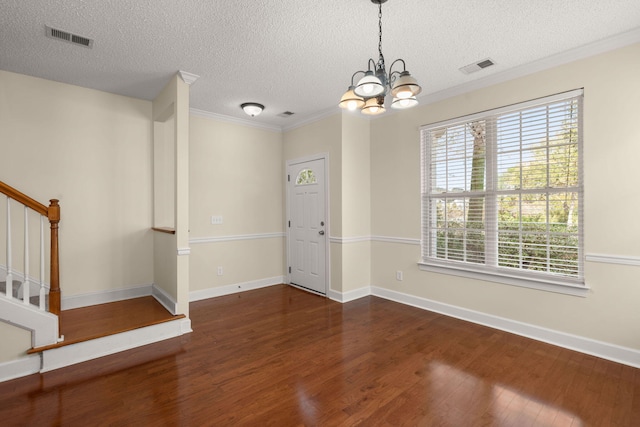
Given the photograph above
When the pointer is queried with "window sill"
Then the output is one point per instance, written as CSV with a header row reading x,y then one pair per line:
x,y
523,282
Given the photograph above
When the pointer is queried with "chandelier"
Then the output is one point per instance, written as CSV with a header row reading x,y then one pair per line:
x,y
368,95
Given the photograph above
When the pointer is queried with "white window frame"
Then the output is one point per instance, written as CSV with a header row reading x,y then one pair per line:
x,y
493,273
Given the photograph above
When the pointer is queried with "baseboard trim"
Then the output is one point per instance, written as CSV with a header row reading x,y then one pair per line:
x,y
615,353
165,299
353,295
103,297
88,350
235,288
20,367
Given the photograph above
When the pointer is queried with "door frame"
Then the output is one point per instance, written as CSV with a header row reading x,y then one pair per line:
x,y
287,184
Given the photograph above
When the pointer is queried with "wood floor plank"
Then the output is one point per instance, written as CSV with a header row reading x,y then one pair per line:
x,y
79,323
283,357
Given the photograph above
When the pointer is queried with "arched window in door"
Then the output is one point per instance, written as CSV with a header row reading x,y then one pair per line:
x,y
306,177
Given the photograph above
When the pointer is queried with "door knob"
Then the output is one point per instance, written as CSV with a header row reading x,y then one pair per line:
x,y
321,232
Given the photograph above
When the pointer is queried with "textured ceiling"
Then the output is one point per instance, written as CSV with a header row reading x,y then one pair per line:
x,y
291,55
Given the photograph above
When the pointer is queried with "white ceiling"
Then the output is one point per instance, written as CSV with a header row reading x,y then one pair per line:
x,y
291,55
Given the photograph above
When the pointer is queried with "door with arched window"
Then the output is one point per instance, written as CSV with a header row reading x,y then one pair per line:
x,y
307,224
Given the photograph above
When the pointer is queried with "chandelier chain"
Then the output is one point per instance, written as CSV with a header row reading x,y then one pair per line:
x,y
380,30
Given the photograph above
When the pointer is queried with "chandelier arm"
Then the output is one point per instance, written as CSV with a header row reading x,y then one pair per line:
x,y
393,75
354,74
404,66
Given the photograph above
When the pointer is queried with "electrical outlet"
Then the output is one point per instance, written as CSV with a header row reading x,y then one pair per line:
x,y
399,275
220,271
216,219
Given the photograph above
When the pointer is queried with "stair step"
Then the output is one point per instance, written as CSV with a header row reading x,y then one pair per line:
x,y
102,320
73,353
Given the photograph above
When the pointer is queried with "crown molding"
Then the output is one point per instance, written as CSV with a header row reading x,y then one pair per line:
x,y
188,78
229,119
323,114
582,52
305,121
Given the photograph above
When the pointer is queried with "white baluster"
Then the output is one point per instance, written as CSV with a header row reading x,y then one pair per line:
x,y
9,279
25,283
42,290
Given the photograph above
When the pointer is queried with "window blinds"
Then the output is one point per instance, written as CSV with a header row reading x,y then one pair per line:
x,y
502,190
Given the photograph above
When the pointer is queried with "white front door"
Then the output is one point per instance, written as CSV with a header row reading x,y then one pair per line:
x,y
307,225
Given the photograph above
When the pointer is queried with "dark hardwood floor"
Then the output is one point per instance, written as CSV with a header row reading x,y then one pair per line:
x,y
283,357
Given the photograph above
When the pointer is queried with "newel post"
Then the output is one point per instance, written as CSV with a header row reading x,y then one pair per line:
x,y
54,290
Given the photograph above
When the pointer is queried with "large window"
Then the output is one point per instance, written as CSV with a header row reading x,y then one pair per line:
x,y
502,193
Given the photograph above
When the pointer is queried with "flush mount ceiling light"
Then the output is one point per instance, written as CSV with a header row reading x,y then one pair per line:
x,y
252,108
368,95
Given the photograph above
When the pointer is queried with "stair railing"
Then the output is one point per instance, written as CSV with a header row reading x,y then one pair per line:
x,y
52,213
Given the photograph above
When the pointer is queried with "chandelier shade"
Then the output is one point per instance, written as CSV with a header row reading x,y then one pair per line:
x,y
405,86
370,85
350,100
369,93
403,103
373,106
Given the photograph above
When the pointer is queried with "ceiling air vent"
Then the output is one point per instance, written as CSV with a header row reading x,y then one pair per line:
x,y
53,33
477,66
286,114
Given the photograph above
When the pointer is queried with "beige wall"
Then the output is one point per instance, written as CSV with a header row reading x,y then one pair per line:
x,y
15,342
164,172
356,201
356,176
91,150
237,173
165,265
611,136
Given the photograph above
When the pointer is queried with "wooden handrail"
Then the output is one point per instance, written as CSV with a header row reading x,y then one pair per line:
x,y
24,199
52,212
